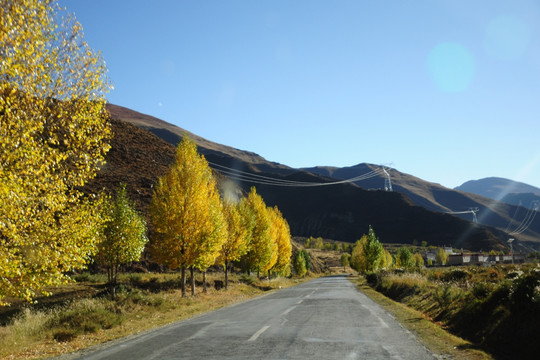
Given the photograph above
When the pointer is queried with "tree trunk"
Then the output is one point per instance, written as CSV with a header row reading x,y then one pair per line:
x,y
204,282
191,270
183,281
226,275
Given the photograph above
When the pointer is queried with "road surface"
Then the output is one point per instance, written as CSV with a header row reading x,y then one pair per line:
x,y
326,318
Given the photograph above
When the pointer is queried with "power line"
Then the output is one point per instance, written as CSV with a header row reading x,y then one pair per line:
x,y
527,220
266,180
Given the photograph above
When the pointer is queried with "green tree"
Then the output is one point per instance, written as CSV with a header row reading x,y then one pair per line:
x,y
404,258
441,257
300,264
186,212
307,258
367,253
124,236
53,138
345,260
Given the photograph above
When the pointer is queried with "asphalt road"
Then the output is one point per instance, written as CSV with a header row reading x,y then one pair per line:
x,y
326,318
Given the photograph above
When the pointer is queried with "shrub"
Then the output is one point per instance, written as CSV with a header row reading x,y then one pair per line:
x,y
482,290
373,279
86,316
456,274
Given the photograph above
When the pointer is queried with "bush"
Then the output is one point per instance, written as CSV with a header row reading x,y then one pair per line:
x,y
456,274
84,317
373,279
482,290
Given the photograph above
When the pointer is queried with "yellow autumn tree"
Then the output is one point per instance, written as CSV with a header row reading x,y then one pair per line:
x,y
186,212
53,137
387,261
282,239
237,241
262,247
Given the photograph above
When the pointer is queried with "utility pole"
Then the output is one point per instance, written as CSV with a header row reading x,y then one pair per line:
x,y
510,241
387,181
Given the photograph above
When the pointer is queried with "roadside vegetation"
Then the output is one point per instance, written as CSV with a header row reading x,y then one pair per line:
x,y
83,314
496,308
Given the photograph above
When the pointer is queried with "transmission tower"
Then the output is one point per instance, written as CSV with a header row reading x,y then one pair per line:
x,y
387,181
472,210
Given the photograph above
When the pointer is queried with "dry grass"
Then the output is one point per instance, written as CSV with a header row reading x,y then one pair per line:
x,y
144,301
430,334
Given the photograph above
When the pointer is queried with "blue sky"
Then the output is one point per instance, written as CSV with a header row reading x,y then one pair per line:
x,y
448,91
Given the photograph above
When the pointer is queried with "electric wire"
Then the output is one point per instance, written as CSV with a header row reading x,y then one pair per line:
x,y
527,220
266,180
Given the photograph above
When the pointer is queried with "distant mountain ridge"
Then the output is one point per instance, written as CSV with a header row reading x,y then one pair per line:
x,y
415,211
505,190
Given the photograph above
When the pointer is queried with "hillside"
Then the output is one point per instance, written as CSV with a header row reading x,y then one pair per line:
x,y
437,198
341,212
495,187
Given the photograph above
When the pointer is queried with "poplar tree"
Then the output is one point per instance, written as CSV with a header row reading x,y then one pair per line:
x,y
53,138
282,235
186,212
237,240
387,261
300,266
404,258
124,236
261,248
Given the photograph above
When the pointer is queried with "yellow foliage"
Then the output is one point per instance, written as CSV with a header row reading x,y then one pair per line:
x,y
53,137
282,238
387,262
236,243
262,247
187,212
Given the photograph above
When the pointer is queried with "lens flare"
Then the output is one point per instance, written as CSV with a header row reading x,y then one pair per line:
x,y
451,67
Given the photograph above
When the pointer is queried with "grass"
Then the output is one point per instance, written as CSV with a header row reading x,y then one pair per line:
x,y
143,302
429,333
497,308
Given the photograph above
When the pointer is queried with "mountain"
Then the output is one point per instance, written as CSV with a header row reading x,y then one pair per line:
x,y
505,190
504,216
342,211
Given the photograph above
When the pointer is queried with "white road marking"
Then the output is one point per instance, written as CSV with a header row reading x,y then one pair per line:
x,y
299,302
258,333
288,310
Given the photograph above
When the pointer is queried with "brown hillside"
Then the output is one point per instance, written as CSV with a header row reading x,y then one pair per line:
x,y
137,158
341,212
438,198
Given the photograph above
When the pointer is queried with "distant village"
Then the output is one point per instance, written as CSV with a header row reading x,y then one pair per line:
x,y
476,258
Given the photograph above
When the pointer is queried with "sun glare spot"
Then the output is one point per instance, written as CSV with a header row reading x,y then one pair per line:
x,y
451,67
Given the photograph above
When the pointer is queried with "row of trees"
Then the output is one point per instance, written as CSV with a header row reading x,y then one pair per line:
x,y
195,228
54,135
369,255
